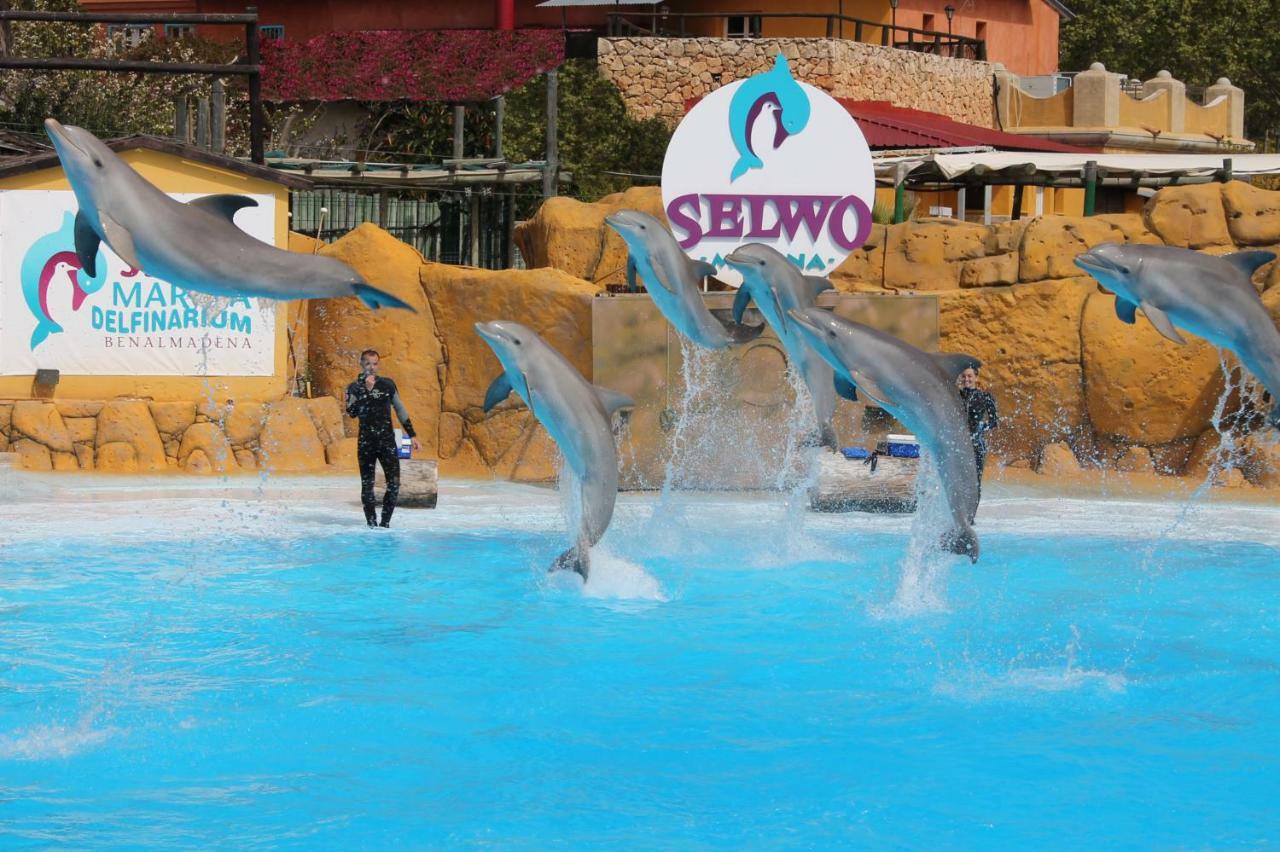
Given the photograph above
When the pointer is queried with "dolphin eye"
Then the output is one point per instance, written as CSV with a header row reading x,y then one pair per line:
x,y
97,162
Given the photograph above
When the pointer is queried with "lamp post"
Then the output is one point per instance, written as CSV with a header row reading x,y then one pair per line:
x,y
951,13
893,26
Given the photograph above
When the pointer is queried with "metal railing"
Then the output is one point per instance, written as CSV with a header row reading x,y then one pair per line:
x,y
752,25
470,228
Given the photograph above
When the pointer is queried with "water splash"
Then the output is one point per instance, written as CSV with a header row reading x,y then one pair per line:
x,y
922,580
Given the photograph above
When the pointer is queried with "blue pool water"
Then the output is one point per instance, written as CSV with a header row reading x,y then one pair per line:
x,y
254,668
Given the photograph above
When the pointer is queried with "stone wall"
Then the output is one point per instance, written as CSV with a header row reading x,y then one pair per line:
x,y
288,435
1068,376
656,76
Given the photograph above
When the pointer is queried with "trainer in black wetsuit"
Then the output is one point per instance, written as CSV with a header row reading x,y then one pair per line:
x,y
371,398
981,407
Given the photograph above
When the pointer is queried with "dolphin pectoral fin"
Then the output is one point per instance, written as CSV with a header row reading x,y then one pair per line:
x,y
740,302
846,389
817,284
872,391
120,240
633,284
954,363
1249,262
703,269
613,401
499,390
1161,321
87,242
1126,311
374,299
574,559
223,204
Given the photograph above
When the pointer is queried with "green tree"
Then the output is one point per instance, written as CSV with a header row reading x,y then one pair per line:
x,y
1197,41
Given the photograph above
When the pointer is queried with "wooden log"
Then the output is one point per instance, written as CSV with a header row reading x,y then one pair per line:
x,y
849,485
419,483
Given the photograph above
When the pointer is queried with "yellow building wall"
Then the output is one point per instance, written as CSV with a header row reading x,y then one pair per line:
x,y
175,174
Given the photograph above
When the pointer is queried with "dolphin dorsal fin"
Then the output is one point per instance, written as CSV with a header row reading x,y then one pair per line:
x,y
817,284
87,242
613,401
224,204
1249,262
954,363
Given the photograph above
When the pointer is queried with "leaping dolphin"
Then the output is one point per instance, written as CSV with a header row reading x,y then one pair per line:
x,y
776,87
674,280
1212,297
195,246
577,414
778,286
919,389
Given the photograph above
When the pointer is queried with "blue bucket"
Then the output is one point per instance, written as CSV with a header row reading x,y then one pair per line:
x,y
904,451
856,453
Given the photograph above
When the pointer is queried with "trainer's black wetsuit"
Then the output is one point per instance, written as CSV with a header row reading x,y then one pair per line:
x,y
981,407
377,441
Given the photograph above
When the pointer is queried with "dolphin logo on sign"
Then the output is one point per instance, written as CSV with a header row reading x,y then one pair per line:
x,y
775,92
50,261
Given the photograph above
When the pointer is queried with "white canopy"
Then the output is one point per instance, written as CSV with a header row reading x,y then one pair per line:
x,y
952,165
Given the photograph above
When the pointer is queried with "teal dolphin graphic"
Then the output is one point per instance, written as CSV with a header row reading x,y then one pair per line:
x,y
775,87
49,259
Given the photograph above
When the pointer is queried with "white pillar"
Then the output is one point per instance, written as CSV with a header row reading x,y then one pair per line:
x,y
1039,200
960,202
986,204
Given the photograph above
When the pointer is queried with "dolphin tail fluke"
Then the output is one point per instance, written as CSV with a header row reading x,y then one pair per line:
x,y
375,299
963,542
40,334
745,163
574,559
743,333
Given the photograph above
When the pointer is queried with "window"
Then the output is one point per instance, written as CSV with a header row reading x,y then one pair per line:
x,y
274,32
980,31
131,34
742,26
179,30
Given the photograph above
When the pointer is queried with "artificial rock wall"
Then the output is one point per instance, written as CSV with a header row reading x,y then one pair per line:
x,y
656,76
289,435
1067,374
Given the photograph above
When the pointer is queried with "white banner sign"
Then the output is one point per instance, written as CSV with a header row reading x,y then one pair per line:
x,y
121,321
772,160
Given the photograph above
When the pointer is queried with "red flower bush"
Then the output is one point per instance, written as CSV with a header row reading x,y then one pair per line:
x,y
453,66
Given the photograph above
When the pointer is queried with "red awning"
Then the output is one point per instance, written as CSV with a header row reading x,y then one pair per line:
x,y
886,126
889,127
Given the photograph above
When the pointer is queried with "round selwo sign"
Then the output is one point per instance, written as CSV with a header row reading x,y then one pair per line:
x,y
771,160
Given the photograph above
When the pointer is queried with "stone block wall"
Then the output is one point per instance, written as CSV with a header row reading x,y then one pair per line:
x,y
656,76
288,435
